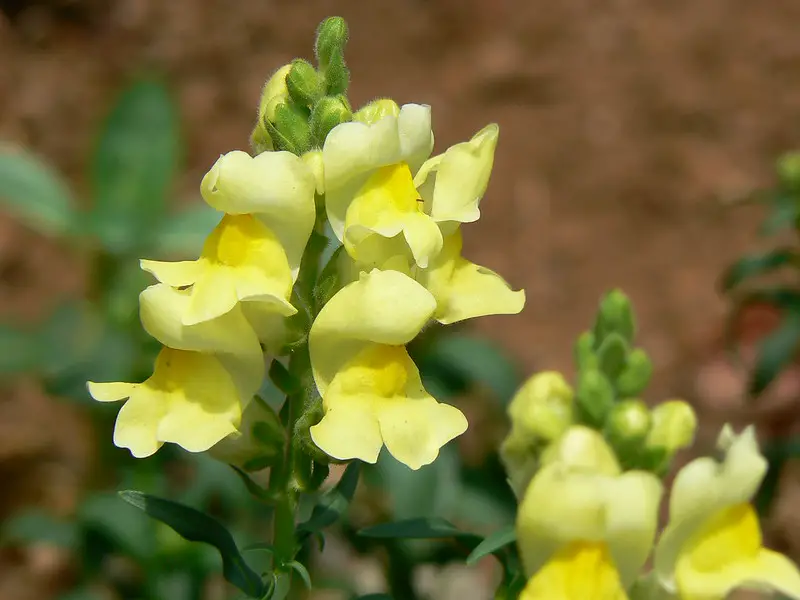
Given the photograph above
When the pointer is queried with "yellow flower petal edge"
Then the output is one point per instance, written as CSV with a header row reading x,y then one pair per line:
x,y
371,390
276,186
387,205
382,307
712,543
580,570
563,506
230,336
353,151
464,290
452,184
242,260
190,400
727,554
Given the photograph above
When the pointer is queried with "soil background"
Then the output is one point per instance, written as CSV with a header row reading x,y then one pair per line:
x,y
624,128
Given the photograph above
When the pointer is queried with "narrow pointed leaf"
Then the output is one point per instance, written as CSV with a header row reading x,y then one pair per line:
x,y
497,541
421,529
333,503
199,527
775,353
35,194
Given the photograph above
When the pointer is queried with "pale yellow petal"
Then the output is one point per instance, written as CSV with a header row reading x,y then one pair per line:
x,y
175,274
632,502
203,404
579,571
726,554
701,489
212,296
416,136
110,392
416,428
464,290
278,186
423,237
384,307
351,151
349,430
461,177
270,326
162,309
137,422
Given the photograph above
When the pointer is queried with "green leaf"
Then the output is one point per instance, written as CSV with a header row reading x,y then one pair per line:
x,y
255,490
476,360
199,527
775,353
498,540
183,233
420,529
37,526
430,491
302,571
35,194
757,264
133,166
283,380
333,503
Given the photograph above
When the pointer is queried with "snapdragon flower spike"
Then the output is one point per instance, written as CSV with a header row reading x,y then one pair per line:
x,y
713,544
371,389
585,529
194,398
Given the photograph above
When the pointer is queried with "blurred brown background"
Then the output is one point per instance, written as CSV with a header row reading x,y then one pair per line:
x,y
624,127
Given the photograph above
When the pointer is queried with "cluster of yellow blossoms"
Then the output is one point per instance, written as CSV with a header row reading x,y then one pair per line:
x,y
397,212
586,527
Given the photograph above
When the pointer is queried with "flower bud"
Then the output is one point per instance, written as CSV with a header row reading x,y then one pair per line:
x,y
612,355
626,429
582,448
259,442
636,374
615,315
290,130
542,408
329,112
303,83
275,87
520,457
331,40
595,396
674,426
377,110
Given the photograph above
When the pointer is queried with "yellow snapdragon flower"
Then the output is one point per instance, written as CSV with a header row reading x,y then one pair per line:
x,y
254,253
713,544
381,187
371,389
585,529
195,397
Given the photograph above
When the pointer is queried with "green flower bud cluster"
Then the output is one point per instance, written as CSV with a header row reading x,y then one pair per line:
x,y
300,104
611,377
